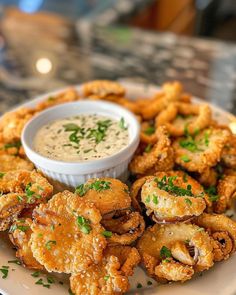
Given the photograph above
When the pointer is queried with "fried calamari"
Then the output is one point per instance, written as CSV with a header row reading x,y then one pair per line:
x,y
67,235
185,246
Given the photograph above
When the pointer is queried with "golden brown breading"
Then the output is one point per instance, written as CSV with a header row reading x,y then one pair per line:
x,y
208,177
226,192
69,95
67,235
12,124
157,244
201,152
10,163
228,156
104,278
159,158
108,194
125,229
103,89
19,234
177,116
173,196
222,230
21,189
128,257
149,134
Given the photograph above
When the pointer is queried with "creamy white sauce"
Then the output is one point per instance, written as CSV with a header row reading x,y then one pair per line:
x,y
81,138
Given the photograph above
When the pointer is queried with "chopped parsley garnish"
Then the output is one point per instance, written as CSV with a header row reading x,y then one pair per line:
x,y
155,200
23,228
2,174
50,280
167,184
84,224
4,270
80,190
185,177
36,274
13,144
148,148
87,151
71,127
30,194
98,185
107,233
150,130
14,261
148,199
212,193
185,158
40,282
149,283
188,201
139,285
49,244
165,253
99,133
122,124
106,278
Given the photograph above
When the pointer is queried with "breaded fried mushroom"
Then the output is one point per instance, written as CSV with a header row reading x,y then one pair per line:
x,y
202,151
21,189
11,163
174,252
69,95
104,278
173,196
67,234
177,116
228,156
222,231
159,158
103,89
19,234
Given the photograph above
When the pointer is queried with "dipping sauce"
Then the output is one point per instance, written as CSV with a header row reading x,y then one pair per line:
x,y
81,138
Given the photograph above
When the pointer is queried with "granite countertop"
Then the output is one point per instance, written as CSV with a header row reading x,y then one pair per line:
x,y
206,68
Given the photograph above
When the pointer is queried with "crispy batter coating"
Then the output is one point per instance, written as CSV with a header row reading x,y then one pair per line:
x,y
69,95
125,229
103,89
170,92
179,115
157,243
173,196
160,158
208,177
12,124
10,163
67,235
21,189
226,191
222,230
128,257
228,156
149,133
201,152
108,194
104,278
19,234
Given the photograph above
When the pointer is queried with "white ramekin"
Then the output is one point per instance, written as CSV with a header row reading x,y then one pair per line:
x,y
71,173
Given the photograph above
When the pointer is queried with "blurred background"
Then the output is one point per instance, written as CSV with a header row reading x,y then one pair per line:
x,y
47,44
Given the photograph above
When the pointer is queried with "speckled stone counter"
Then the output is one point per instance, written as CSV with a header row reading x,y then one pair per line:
x,y
206,68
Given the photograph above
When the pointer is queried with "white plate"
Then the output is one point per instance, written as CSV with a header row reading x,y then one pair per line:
x,y
220,280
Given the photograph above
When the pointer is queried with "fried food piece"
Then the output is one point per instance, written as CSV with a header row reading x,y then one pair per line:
x,y
159,158
226,192
135,192
170,92
21,189
104,278
179,115
67,234
69,95
124,229
108,194
128,257
222,230
148,133
173,196
158,246
129,104
12,124
228,156
103,89
208,177
11,163
19,234
201,152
